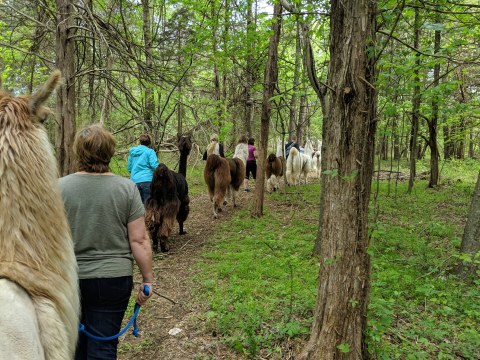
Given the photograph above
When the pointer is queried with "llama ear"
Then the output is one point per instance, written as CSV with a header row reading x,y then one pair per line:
x,y
42,94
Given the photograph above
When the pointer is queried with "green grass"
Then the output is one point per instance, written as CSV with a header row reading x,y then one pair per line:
x,y
260,281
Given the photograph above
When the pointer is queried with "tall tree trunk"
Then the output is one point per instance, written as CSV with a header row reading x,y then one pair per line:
x,y
216,74
433,122
292,124
471,236
90,53
340,315
65,62
459,129
36,43
302,119
396,139
415,105
225,39
147,37
180,109
107,96
448,142
471,143
270,82
249,69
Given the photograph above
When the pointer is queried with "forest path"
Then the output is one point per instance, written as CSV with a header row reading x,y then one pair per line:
x,y
173,274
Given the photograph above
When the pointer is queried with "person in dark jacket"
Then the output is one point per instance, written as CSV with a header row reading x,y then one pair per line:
x,y
291,144
142,162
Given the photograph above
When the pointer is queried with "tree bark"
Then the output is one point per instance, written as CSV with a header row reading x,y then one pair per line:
x,y
340,314
271,78
292,124
147,37
433,122
249,69
415,105
471,235
66,96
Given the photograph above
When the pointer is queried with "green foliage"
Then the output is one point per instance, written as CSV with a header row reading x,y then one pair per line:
x,y
259,279
418,309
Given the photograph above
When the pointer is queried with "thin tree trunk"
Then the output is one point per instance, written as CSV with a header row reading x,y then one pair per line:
x,y
415,105
471,236
302,119
433,122
448,142
107,97
292,124
471,148
340,315
270,82
147,36
249,69
66,97
459,129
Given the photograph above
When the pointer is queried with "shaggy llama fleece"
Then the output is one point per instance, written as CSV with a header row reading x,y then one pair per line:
x,y
39,302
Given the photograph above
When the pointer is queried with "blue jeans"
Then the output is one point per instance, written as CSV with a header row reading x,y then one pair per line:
x,y
144,188
103,302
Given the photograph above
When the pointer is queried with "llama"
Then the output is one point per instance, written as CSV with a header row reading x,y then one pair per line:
x,y
237,175
168,201
184,144
273,171
317,160
298,165
39,298
217,177
275,168
309,151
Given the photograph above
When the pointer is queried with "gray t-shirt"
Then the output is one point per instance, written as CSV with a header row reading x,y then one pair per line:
x,y
98,208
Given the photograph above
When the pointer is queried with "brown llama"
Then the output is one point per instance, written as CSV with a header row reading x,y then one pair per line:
x,y
237,174
168,201
39,299
218,179
274,171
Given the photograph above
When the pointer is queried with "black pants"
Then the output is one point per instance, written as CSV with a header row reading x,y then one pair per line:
x,y
251,169
103,302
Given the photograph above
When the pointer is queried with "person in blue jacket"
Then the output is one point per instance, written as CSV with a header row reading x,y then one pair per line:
x,y
142,161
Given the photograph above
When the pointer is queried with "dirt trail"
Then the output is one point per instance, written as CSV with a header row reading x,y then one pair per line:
x,y
173,272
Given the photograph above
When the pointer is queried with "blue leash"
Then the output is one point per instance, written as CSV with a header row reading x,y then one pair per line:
x,y
133,320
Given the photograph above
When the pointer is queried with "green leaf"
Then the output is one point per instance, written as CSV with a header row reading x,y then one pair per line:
x,y
333,172
344,348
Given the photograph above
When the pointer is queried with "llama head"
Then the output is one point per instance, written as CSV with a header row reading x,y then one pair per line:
x,y
33,105
184,143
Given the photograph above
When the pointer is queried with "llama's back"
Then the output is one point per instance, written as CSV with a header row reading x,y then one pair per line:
x,y
216,173
293,165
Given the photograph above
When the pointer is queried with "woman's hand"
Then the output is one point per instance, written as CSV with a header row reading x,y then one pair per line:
x,y
144,294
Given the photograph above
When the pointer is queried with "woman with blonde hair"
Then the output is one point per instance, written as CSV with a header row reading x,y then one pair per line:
x,y
214,147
